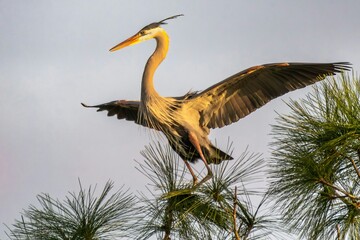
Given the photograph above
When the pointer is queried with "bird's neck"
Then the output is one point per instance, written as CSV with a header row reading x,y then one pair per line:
x,y
147,85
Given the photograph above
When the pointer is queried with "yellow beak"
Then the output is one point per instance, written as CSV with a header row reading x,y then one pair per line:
x,y
128,42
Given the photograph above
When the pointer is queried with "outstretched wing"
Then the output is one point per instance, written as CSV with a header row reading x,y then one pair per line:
x,y
123,109
128,110
239,95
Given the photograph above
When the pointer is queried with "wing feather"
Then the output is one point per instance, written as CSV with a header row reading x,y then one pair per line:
x,y
123,109
239,95
128,110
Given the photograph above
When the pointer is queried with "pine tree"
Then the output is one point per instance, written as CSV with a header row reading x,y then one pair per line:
x,y
316,159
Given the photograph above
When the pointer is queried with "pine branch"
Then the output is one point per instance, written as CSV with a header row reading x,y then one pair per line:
x,y
318,142
80,216
237,237
354,165
207,212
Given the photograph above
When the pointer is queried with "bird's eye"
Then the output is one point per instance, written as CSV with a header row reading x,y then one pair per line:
x,y
142,33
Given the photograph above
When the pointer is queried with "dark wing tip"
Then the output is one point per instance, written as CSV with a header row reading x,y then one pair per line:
x,y
88,106
343,66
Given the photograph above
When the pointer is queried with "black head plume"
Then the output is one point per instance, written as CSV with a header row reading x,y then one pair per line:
x,y
157,24
163,21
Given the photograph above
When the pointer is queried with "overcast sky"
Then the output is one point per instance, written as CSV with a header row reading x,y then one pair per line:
x,y
54,55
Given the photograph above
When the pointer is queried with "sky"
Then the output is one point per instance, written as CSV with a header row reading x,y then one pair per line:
x,y
54,55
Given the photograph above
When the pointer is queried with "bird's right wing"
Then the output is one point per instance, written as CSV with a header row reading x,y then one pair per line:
x,y
123,109
128,110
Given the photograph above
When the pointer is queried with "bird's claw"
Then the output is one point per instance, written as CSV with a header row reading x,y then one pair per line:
x,y
206,178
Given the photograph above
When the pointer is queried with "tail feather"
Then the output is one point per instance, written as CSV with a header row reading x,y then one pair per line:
x,y
215,155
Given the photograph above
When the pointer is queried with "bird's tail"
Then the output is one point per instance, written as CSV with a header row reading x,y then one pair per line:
x,y
215,155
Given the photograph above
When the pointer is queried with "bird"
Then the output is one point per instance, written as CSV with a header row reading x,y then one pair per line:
x,y
186,120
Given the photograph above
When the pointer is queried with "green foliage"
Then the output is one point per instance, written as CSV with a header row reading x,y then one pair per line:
x,y
81,216
176,210
316,159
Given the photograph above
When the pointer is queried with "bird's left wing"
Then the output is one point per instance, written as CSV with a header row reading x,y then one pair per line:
x,y
123,109
239,95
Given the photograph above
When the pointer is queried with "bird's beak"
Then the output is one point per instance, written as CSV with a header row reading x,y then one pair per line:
x,y
128,42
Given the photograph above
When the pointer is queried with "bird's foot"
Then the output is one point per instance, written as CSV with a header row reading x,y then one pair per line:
x,y
206,178
195,181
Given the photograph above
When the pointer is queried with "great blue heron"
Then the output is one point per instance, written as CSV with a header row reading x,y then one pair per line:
x,y
186,120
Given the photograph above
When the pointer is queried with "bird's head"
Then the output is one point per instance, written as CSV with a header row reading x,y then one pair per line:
x,y
148,32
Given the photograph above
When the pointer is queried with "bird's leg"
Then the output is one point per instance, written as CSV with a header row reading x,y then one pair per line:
x,y
192,172
194,140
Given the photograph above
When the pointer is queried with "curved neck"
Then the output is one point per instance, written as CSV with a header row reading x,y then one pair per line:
x,y
162,45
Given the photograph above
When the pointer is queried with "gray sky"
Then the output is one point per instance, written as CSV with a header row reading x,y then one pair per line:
x,y
54,55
